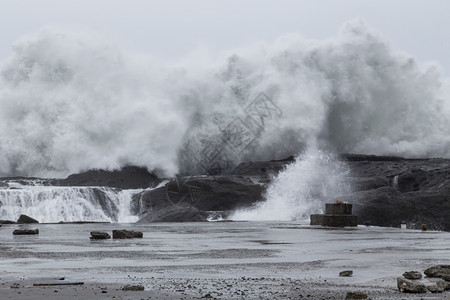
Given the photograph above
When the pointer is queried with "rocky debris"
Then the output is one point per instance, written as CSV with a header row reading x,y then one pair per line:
x,y
99,235
127,234
356,295
413,275
16,286
438,271
24,219
346,273
133,288
407,286
174,213
25,231
439,287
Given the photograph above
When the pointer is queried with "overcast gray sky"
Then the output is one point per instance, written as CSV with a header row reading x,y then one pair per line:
x,y
171,28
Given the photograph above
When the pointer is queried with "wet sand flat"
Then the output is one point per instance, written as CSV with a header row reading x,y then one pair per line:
x,y
229,260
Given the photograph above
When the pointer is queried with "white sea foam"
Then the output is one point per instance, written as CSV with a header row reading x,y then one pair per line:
x,y
55,204
71,101
301,189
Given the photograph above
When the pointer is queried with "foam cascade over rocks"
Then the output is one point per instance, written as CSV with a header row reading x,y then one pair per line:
x,y
50,204
71,101
301,189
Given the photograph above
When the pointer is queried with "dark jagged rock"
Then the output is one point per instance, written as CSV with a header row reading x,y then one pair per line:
x,y
388,191
99,235
174,213
24,219
125,178
25,231
407,286
212,193
127,234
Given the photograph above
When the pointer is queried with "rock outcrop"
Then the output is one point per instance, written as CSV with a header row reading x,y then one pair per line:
x,y
188,199
174,213
387,190
125,178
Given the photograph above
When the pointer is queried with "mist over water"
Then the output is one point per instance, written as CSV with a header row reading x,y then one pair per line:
x,y
301,189
71,101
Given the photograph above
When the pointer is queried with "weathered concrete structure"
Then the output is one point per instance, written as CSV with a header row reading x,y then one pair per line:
x,y
336,215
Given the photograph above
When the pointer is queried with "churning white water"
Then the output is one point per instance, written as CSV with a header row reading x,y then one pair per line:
x,y
50,204
301,189
71,101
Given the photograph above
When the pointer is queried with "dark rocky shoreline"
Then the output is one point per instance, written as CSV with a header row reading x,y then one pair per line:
x,y
387,190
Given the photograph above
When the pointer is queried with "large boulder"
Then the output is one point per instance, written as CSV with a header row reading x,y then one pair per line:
x,y
174,213
24,219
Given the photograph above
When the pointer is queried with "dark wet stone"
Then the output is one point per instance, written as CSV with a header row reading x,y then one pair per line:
x,y
356,295
26,231
127,234
99,235
346,273
412,275
407,286
133,288
438,271
439,287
